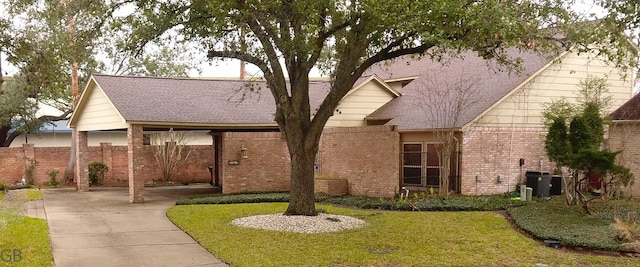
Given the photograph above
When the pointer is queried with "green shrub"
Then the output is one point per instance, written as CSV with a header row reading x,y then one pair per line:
x,y
53,180
96,172
460,203
237,198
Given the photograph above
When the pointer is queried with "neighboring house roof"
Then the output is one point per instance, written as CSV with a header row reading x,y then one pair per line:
x,y
52,127
190,101
55,127
490,81
629,110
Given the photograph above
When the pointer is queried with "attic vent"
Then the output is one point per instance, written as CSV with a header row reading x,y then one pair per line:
x,y
371,122
405,82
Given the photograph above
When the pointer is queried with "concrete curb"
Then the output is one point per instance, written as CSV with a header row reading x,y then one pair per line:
x,y
35,209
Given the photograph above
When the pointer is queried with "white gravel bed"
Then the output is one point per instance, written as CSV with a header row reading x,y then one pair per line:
x,y
301,224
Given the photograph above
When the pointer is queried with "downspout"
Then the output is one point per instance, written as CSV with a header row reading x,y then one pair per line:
x,y
513,116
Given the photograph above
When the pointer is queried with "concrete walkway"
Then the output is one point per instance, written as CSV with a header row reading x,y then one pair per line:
x,y
35,209
101,228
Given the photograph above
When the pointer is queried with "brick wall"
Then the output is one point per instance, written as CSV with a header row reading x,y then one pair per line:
x,y
266,168
366,156
13,162
625,137
492,151
50,158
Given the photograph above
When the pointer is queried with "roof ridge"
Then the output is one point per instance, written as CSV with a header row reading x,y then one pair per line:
x,y
195,78
171,78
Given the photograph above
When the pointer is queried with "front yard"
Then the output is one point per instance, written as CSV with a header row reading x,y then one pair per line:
x,y
438,237
392,239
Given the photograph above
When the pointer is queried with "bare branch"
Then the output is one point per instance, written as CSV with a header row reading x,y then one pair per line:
x,y
170,151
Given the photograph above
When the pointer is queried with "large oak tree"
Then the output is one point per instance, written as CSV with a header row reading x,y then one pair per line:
x,y
285,39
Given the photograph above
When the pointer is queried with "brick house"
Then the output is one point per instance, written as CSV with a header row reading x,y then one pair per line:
x,y
624,136
248,153
494,111
382,135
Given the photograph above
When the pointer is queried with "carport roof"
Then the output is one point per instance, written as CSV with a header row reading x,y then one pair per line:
x,y
190,101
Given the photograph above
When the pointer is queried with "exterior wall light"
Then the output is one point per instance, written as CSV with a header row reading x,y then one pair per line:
x,y
245,151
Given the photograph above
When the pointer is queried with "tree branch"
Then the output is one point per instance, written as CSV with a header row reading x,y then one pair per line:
x,y
60,117
272,57
240,56
10,138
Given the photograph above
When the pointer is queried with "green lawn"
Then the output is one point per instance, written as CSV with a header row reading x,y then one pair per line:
x,y
391,239
23,236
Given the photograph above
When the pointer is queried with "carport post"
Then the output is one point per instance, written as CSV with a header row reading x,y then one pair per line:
x,y
82,164
136,163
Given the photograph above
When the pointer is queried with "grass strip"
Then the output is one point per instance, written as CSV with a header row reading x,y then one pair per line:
x,y
24,241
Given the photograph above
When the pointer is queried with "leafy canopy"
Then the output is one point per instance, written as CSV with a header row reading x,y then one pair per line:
x,y
42,39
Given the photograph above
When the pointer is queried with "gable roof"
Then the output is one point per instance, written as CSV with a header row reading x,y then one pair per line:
x,y
190,102
372,78
491,82
628,111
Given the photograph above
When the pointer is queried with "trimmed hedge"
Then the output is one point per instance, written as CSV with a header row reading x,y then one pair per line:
x,y
458,203
238,198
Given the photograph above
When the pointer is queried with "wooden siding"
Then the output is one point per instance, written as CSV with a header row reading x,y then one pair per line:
x,y
396,85
358,104
524,107
99,113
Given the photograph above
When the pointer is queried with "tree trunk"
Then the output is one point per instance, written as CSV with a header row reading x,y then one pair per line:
x,y
302,200
445,170
69,172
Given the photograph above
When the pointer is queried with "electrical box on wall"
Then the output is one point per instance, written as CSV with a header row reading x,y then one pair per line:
x,y
500,178
478,178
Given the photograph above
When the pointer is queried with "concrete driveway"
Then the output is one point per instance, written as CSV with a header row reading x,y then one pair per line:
x,y
101,228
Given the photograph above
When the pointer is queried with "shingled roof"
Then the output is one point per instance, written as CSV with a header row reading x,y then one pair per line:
x,y
629,110
491,83
153,100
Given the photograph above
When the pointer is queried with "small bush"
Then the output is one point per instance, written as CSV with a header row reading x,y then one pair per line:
x,y
53,180
628,228
96,172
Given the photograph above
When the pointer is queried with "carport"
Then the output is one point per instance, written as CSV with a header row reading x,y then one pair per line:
x,y
140,104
